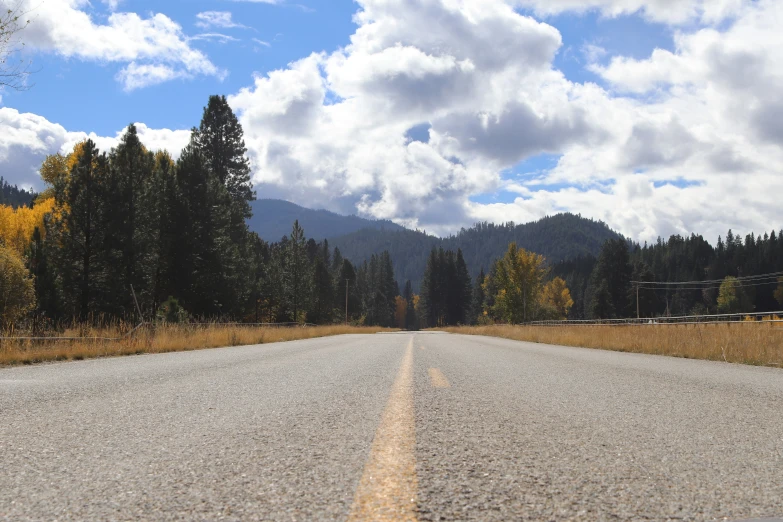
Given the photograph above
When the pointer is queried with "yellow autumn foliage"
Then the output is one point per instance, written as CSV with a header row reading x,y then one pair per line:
x,y
557,297
17,225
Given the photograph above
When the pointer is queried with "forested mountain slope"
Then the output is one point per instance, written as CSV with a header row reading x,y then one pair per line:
x,y
14,196
272,219
559,237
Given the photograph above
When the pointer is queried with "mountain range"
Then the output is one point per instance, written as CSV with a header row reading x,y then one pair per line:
x,y
560,237
272,219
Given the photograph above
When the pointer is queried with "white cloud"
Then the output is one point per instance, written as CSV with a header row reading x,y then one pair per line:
x,y
330,130
112,4
221,19
28,138
154,47
136,76
220,37
339,120
435,101
666,11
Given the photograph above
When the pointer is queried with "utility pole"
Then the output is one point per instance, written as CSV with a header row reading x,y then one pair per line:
x,y
346,301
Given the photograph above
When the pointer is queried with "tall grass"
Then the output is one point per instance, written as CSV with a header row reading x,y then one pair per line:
x,y
742,342
162,339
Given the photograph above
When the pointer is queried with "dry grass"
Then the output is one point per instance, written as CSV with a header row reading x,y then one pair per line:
x,y
743,342
160,340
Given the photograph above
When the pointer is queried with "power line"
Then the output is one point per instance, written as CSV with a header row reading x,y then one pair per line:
x,y
708,287
753,279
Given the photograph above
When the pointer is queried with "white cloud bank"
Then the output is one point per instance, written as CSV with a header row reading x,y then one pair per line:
x,y
683,141
704,155
28,138
154,49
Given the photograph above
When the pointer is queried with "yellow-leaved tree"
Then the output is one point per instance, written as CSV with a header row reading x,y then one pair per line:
x,y
556,299
17,225
779,291
519,277
400,308
17,293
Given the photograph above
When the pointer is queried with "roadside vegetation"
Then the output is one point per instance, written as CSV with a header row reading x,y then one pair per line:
x,y
131,235
115,235
746,342
161,339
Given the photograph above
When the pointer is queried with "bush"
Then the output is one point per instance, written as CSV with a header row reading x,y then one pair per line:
x,y
172,312
17,292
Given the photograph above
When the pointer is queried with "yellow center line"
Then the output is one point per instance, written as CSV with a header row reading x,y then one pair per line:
x,y
388,487
437,379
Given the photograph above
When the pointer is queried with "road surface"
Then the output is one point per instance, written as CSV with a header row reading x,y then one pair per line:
x,y
397,426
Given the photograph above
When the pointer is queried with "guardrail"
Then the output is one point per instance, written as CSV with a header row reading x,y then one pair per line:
x,y
749,318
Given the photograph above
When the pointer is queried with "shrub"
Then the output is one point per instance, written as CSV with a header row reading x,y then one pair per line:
x,y
17,292
172,312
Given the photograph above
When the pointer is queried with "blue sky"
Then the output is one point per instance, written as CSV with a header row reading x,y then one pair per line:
x,y
440,113
63,88
85,95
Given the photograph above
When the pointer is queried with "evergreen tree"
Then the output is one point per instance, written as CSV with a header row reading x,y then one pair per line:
x,y
211,286
348,292
46,292
477,307
323,297
79,232
602,305
220,141
297,272
410,310
645,296
131,225
337,262
612,274
464,291
430,289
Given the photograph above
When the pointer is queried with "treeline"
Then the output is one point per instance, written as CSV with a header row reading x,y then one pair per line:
x,y
517,289
13,196
558,238
604,287
131,232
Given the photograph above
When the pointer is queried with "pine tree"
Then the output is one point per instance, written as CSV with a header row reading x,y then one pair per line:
x,y
79,233
131,225
347,291
464,291
297,276
646,296
612,273
602,306
410,310
205,279
323,296
46,292
477,307
219,139
428,306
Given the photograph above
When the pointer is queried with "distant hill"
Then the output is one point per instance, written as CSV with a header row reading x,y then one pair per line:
x,y
15,196
272,219
558,238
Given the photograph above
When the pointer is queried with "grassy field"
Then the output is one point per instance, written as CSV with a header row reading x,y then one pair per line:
x,y
160,340
742,342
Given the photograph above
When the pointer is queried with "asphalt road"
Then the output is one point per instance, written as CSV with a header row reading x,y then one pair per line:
x,y
391,426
